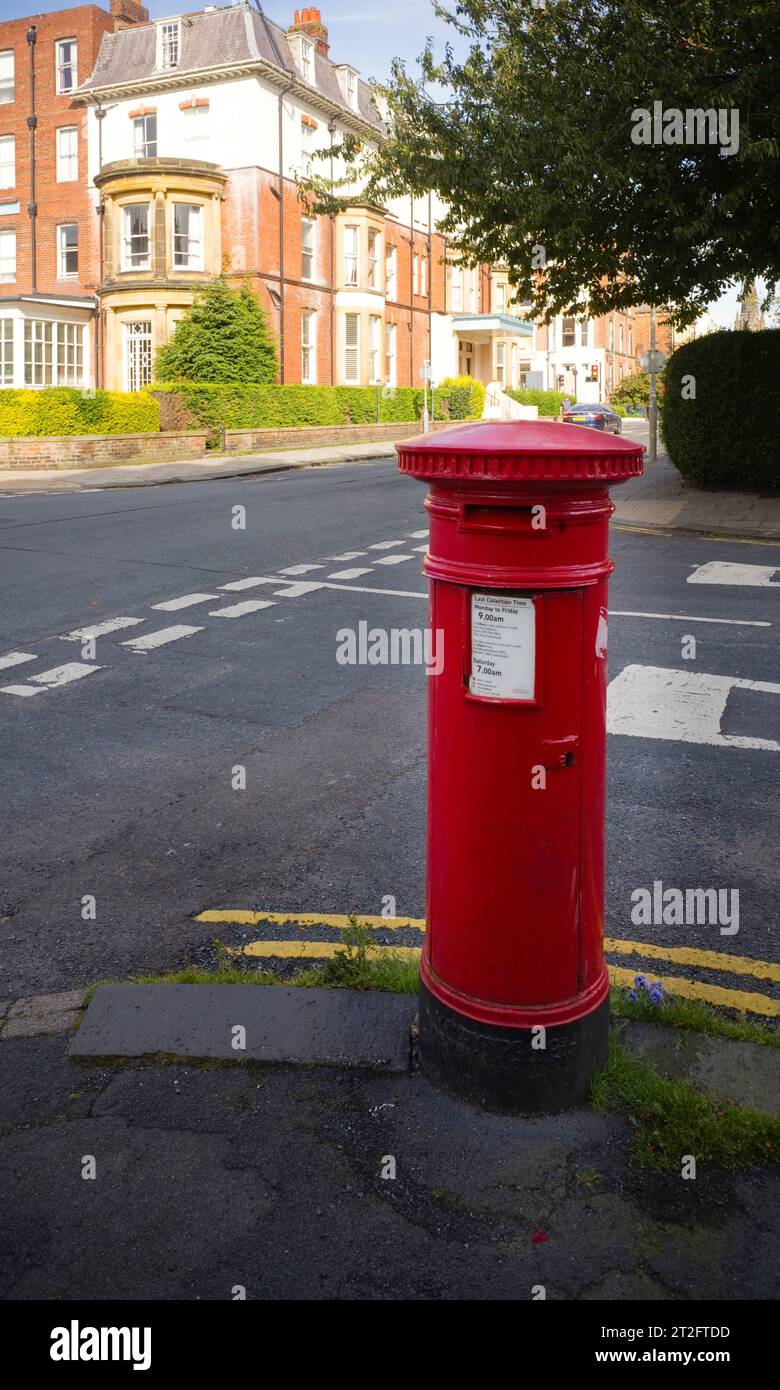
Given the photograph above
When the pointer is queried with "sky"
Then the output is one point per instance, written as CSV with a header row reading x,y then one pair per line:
x,y
368,35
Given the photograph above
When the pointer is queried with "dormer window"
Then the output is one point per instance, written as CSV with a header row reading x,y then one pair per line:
x,y
348,82
168,44
307,61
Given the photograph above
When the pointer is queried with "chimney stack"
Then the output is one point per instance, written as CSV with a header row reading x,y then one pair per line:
x,y
309,22
126,13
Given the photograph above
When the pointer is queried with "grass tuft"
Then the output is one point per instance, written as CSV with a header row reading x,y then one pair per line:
x,y
356,965
673,1119
692,1014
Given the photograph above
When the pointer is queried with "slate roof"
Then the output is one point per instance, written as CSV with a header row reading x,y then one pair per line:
x,y
217,39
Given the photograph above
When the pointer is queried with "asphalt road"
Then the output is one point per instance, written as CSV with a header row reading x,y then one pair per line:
x,y
118,786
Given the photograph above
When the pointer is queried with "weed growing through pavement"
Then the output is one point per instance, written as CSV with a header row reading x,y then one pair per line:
x,y
358,966
672,1118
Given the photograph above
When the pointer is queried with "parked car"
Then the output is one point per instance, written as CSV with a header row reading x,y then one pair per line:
x,y
593,417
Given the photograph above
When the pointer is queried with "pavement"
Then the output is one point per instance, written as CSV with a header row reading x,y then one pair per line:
x,y
142,1180
659,499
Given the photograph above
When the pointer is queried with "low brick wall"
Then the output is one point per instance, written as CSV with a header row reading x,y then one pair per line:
x,y
322,435
100,450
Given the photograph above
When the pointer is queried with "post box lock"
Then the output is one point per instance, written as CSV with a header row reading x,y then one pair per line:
x,y
559,752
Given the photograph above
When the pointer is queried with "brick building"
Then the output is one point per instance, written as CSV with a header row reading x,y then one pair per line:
x,y
585,357
49,225
199,129
169,151
666,337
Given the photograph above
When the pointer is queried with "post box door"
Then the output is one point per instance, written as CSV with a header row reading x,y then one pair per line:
x,y
505,869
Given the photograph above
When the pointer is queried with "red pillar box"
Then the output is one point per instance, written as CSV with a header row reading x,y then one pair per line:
x,y
514,989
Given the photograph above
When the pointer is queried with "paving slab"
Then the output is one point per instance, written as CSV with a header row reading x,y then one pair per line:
x,y
745,1073
41,1025
34,1004
343,1028
41,1014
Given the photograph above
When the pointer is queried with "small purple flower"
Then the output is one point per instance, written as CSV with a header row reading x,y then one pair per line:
x,y
632,996
640,982
657,993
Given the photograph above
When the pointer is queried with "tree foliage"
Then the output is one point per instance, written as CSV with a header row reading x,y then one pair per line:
x,y
635,389
530,147
225,337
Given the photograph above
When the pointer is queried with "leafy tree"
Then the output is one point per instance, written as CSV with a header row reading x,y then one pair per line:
x,y
531,148
635,389
225,337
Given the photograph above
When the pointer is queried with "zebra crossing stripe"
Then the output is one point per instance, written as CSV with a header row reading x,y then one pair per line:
x,y
726,572
240,610
63,675
22,690
160,638
237,584
172,605
684,706
15,659
83,634
297,590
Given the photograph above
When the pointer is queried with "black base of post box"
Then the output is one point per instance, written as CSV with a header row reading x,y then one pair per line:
x,y
499,1069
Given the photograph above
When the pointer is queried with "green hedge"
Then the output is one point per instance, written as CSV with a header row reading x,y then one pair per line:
x,y
189,405
67,410
727,434
548,402
459,398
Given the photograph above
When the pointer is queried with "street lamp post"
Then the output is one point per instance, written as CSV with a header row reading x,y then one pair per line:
x,y
653,401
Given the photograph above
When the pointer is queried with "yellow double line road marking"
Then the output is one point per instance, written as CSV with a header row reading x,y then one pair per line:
x,y
745,1001
742,999
339,920
691,955
318,950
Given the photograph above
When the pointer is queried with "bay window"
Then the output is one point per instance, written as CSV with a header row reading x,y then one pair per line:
x,y
6,352
135,237
187,236
373,257
53,353
350,255
352,347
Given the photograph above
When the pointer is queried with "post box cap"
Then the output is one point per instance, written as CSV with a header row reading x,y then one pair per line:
x,y
520,451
